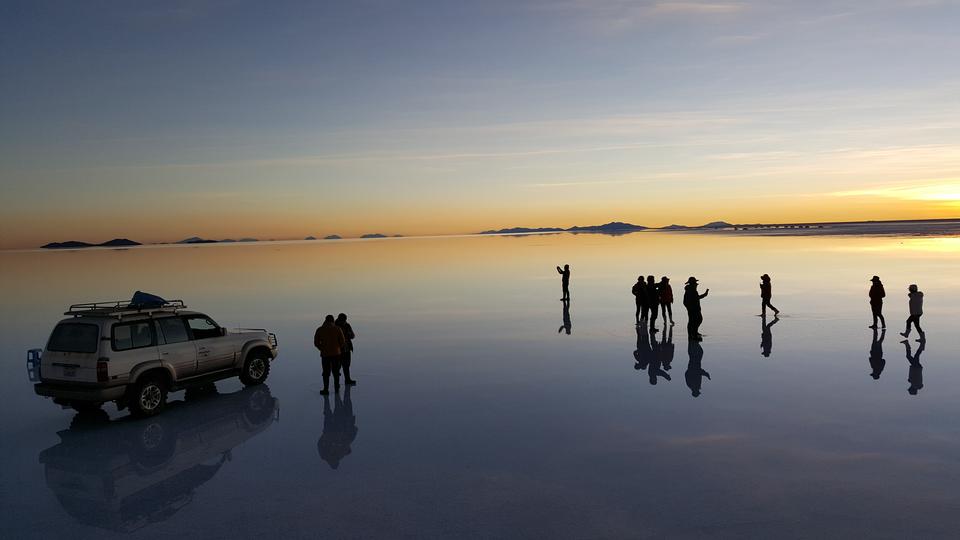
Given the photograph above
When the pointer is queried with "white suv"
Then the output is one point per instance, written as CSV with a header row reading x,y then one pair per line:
x,y
115,351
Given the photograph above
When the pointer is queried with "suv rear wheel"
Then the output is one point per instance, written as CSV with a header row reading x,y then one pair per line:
x,y
148,397
255,369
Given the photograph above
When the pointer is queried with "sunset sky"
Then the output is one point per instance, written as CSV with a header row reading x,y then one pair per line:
x,y
161,120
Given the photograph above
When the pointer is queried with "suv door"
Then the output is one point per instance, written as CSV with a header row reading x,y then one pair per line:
x,y
214,350
175,346
131,343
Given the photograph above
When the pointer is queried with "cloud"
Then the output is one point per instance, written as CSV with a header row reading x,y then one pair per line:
x,y
943,191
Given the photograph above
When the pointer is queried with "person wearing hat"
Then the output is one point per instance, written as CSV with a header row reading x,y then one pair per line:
x,y
876,302
916,311
691,301
766,293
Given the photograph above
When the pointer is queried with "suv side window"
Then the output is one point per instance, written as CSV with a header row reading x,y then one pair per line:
x,y
173,330
203,327
135,335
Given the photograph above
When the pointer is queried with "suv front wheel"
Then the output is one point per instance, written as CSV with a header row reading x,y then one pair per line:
x,y
148,397
255,369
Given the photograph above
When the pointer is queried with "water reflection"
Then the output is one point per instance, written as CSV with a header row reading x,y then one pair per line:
x,y
567,324
766,335
877,363
339,429
126,474
915,372
695,372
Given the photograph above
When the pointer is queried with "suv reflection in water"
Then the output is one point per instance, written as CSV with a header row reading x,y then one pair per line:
x,y
125,474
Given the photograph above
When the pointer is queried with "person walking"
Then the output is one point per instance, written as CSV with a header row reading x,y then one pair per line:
x,y
691,301
639,291
666,299
766,293
876,302
347,355
330,341
565,281
653,302
916,311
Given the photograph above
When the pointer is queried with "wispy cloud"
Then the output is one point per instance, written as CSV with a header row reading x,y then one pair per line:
x,y
944,191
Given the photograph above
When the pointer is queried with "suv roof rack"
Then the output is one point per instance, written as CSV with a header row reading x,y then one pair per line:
x,y
119,308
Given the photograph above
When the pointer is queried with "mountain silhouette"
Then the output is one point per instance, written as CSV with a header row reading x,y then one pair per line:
x,y
74,244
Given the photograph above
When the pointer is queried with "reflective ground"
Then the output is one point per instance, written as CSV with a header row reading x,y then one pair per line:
x,y
478,415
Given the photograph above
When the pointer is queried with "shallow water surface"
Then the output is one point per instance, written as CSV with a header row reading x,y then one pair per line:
x,y
478,414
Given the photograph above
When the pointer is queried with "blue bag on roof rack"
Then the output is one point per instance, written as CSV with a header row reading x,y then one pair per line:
x,y
142,300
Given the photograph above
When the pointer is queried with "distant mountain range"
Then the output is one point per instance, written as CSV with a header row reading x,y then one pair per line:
x,y
74,244
614,227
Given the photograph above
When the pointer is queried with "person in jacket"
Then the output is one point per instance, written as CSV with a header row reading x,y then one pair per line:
x,y
639,291
330,341
347,354
653,301
766,293
666,298
691,301
565,281
916,311
876,301
877,363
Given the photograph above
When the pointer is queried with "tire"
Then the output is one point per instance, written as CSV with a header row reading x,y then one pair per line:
x,y
148,397
255,369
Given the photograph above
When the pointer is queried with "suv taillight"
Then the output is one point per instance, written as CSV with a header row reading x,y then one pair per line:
x,y
102,371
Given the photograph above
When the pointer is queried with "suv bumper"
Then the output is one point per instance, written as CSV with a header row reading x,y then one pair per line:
x,y
73,392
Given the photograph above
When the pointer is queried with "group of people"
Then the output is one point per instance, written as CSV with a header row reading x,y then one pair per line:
x,y
652,297
334,338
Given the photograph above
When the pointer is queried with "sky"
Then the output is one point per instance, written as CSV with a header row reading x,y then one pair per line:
x,y
159,120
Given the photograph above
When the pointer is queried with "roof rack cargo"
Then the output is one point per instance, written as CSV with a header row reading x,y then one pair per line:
x,y
119,308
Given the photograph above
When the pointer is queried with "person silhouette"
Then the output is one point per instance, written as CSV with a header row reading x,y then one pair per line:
x,y
655,369
565,280
346,356
653,302
691,301
916,311
877,363
642,354
915,373
339,429
567,323
766,293
639,291
330,341
877,293
666,299
695,372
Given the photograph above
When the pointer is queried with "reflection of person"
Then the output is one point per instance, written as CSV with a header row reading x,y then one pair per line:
x,y
666,299
339,429
695,372
567,324
877,363
691,301
666,349
876,301
766,293
916,311
639,291
643,352
915,373
657,368
329,339
347,355
565,280
766,335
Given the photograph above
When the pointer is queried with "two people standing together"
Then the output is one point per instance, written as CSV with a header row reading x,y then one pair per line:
x,y
915,296
334,339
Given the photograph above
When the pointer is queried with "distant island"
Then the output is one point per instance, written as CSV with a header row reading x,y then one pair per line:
x,y
74,244
333,237
374,235
613,228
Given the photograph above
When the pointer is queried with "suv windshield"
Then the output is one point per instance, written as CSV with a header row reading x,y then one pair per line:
x,y
75,337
